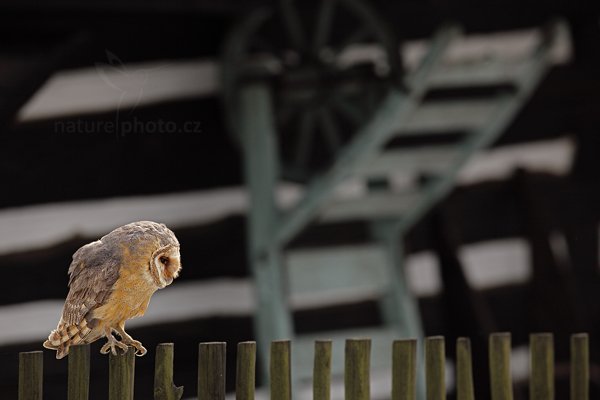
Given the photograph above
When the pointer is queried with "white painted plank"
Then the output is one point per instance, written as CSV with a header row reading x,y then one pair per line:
x,y
497,262
107,87
554,156
480,73
450,115
28,227
424,159
371,206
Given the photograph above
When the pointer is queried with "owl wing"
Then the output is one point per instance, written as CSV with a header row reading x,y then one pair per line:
x,y
93,273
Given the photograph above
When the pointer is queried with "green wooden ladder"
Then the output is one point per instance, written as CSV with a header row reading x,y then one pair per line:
x,y
281,274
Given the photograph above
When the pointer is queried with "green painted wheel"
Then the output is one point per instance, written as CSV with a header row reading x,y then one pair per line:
x,y
329,64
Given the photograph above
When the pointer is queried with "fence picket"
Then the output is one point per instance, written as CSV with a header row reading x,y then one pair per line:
x,y
357,369
245,371
211,371
280,370
500,376
541,384
121,370
404,369
322,370
78,386
464,370
435,367
31,371
164,389
580,367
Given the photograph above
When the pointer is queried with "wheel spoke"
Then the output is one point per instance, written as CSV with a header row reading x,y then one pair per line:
x,y
324,24
304,140
293,24
329,130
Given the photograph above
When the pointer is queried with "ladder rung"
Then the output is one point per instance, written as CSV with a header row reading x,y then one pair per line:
x,y
371,206
424,159
481,73
335,274
451,115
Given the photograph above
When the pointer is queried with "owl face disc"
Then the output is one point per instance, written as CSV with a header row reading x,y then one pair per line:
x,y
165,265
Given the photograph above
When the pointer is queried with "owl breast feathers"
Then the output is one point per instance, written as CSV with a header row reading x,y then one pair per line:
x,y
111,280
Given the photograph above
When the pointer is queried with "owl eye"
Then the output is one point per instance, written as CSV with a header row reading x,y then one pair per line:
x,y
164,260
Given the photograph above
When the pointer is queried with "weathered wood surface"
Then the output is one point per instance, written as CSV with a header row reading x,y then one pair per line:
x,y
357,365
580,367
280,370
164,388
31,371
404,369
500,375
78,386
211,371
357,384
464,370
541,385
322,370
121,371
435,367
245,371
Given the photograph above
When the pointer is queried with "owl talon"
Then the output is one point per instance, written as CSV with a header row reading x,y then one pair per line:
x,y
137,345
141,352
112,346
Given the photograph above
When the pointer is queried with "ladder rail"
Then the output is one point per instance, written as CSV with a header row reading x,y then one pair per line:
x,y
270,228
368,140
272,321
509,105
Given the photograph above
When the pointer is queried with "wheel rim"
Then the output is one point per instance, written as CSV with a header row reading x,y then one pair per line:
x,y
329,68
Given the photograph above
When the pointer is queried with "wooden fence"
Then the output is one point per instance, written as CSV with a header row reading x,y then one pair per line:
x,y
211,370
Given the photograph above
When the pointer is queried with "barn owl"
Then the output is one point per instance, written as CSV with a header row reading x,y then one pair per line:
x,y
111,280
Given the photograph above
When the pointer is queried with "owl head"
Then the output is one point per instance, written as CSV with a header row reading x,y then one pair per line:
x,y
165,265
149,245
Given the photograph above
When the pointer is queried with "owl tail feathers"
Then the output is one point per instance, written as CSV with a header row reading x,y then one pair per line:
x,y
61,350
65,336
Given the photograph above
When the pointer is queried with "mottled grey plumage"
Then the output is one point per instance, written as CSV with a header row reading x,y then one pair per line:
x,y
92,274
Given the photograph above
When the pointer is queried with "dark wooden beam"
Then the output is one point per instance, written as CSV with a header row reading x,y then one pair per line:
x,y
86,157
137,30
99,155
24,70
466,311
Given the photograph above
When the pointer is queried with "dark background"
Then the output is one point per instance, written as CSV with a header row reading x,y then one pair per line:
x,y
39,165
